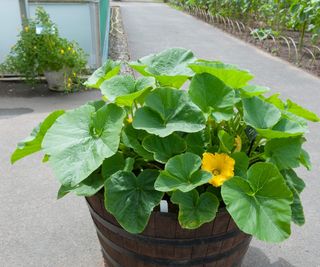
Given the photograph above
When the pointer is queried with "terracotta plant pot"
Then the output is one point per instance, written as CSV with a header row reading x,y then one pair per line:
x,y
56,80
164,243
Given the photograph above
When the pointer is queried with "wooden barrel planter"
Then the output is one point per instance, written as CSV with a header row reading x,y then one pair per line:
x,y
164,243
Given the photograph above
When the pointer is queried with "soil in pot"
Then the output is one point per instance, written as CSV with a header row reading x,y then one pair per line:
x,y
164,243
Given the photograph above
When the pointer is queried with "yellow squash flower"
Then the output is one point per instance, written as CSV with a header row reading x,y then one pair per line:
x,y
129,119
220,165
62,51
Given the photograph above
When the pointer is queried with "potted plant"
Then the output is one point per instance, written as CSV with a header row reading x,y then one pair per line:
x,y
40,50
177,177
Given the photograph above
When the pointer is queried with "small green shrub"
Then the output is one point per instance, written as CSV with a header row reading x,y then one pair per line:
x,y
40,48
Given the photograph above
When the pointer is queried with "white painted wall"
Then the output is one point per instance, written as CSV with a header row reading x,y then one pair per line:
x,y
10,25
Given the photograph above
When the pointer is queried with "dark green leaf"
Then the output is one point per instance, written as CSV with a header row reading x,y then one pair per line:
x,y
168,110
210,93
260,204
182,173
87,187
296,185
284,152
112,164
194,210
133,138
241,164
305,159
260,114
164,148
131,199
196,142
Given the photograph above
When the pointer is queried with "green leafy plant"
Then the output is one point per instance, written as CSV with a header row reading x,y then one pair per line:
x,y
40,48
219,144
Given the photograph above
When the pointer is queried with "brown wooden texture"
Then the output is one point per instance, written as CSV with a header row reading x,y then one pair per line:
x,y
164,243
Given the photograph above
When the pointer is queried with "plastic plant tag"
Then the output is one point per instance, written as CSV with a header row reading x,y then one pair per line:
x,y
163,206
39,29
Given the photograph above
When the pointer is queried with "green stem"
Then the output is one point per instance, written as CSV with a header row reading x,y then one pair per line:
x,y
302,37
256,156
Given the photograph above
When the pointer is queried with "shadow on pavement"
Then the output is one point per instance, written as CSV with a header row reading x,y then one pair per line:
x,y
256,258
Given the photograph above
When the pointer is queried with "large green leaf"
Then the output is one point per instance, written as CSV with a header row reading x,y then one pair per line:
x,y
211,94
87,187
194,210
296,185
169,67
109,69
131,199
283,129
182,173
33,142
284,152
81,139
168,110
132,138
231,75
300,111
113,164
196,142
253,90
124,89
241,164
260,114
164,148
261,204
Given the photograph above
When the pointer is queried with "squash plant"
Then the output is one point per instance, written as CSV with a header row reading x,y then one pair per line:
x,y
214,141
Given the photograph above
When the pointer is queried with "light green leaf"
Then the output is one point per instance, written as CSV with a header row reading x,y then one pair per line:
x,y
285,153
260,114
231,75
296,185
283,129
275,100
241,164
164,148
305,159
33,142
131,199
124,89
194,210
168,110
226,141
132,138
253,90
81,139
261,204
210,94
223,114
182,173
169,67
87,187
301,112
109,69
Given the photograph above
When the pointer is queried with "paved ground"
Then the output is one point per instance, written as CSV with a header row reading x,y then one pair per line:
x,y
36,230
154,27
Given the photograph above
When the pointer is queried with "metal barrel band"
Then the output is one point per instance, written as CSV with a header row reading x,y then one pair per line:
x,y
172,262
165,241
